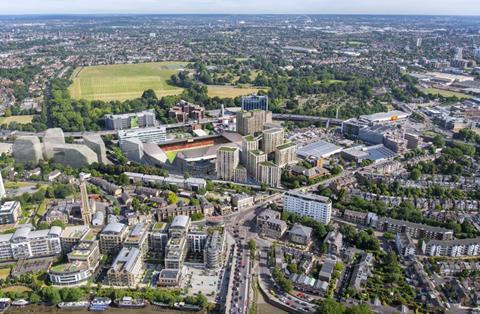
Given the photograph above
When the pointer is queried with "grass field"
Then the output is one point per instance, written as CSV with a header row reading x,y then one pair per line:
x,y
17,289
19,119
230,91
444,93
16,185
124,81
4,272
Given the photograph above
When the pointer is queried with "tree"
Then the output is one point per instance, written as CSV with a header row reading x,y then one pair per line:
x,y
58,223
252,245
438,141
186,175
172,198
359,309
330,306
51,295
415,174
149,94
43,225
292,268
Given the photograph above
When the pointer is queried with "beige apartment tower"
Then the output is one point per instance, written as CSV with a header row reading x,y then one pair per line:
x,y
228,159
249,122
271,139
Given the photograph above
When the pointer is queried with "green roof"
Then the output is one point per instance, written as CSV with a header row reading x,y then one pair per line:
x,y
159,226
257,152
268,164
286,145
227,149
249,137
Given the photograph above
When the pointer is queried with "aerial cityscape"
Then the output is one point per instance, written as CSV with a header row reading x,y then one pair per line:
x,y
231,163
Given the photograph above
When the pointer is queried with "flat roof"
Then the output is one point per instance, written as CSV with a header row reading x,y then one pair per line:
x,y
308,196
319,149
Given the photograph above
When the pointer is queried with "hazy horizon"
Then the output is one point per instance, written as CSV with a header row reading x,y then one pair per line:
x,y
312,7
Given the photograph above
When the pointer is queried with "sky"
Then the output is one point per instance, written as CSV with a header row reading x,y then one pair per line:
x,y
433,7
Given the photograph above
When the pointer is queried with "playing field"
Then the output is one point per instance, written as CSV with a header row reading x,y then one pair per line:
x,y
124,81
19,119
230,91
445,93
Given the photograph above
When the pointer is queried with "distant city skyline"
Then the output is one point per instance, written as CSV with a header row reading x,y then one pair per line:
x,y
408,7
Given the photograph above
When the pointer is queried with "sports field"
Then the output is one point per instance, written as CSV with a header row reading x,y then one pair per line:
x,y
445,93
124,81
230,91
19,119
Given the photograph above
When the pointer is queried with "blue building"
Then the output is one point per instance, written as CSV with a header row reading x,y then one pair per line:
x,y
254,102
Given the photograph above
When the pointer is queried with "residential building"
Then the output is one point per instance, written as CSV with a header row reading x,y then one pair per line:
x,y
327,269
215,250
415,230
285,154
300,234
241,201
254,102
138,238
9,212
362,271
25,243
249,143
269,173
254,158
156,135
71,236
126,268
271,139
196,238
175,252
112,237
270,224
334,242
228,159
180,226
405,245
250,122
241,174
184,111
141,119
452,248
308,205
157,239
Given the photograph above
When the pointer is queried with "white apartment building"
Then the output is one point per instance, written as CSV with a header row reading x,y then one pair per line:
x,y
308,205
25,243
154,135
453,248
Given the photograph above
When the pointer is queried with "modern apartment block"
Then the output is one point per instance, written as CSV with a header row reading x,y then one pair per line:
x,y
308,205
272,138
9,212
285,154
269,173
112,237
124,121
254,102
215,250
126,269
25,243
228,158
157,239
249,122
249,143
156,135
254,158
452,248
138,238
414,230
175,252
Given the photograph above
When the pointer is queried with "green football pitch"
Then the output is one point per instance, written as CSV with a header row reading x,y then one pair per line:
x,y
124,81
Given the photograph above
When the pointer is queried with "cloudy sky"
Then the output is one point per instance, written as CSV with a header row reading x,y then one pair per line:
x,y
443,7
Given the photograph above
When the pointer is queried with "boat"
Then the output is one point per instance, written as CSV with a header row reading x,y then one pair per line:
x,y
186,307
160,304
129,302
99,304
73,305
20,302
